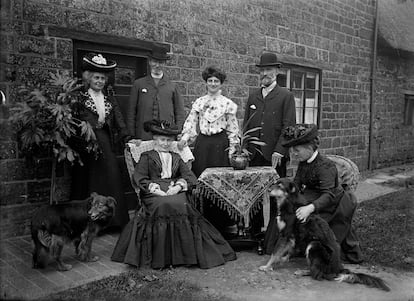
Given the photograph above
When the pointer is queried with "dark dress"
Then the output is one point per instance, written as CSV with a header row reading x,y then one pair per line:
x,y
319,183
168,231
100,174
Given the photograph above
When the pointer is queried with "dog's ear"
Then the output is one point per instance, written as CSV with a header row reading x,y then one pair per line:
x,y
111,202
93,195
293,188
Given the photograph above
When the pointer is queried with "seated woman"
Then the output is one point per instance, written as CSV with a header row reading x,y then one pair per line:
x,y
168,231
317,178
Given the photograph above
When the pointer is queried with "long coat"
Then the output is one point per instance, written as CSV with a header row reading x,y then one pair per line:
x,y
144,93
100,174
272,113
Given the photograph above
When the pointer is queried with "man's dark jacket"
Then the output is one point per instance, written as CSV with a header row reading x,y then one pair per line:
x,y
273,113
140,107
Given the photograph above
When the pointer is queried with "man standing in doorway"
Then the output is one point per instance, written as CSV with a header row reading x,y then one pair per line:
x,y
272,108
154,97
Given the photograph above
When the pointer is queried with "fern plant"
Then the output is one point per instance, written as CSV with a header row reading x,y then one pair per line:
x,y
44,122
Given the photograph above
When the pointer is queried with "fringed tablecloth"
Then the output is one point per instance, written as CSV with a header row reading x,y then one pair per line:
x,y
238,191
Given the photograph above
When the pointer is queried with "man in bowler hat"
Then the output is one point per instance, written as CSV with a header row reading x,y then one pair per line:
x,y
272,108
154,97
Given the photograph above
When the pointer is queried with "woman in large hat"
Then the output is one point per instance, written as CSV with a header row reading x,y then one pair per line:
x,y
168,231
317,178
100,173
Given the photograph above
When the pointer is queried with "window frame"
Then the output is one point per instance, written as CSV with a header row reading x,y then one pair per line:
x,y
288,70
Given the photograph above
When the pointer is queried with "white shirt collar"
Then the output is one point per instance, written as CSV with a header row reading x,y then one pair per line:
x,y
267,90
310,160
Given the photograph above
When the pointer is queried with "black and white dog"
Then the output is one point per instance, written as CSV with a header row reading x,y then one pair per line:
x,y
314,237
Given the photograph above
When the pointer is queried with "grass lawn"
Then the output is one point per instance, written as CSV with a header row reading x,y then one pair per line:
x,y
385,227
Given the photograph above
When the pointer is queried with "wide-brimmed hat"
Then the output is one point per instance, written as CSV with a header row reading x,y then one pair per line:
x,y
299,134
159,53
269,59
97,63
161,127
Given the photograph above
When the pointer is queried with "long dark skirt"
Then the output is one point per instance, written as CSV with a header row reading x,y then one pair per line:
x,y
210,151
100,175
168,231
341,224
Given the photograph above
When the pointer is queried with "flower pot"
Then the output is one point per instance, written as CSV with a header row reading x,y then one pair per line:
x,y
239,162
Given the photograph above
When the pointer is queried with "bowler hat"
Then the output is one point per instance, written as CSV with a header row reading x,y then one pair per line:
x,y
159,53
269,59
161,127
299,134
97,63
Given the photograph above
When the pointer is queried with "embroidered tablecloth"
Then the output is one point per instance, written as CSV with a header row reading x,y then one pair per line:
x,y
239,192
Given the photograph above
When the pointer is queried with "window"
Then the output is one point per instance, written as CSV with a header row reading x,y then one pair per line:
x,y
409,109
304,84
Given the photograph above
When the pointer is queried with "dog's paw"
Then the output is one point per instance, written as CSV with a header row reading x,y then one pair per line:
x,y
265,268
93,259
301,273
64,267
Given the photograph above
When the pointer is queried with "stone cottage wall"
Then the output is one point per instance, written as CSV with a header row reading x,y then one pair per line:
x,y
334,36
394,140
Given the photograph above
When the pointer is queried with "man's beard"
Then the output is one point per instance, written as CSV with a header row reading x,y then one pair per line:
x,y
267,81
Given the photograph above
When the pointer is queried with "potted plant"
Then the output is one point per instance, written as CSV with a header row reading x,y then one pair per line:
x,y
45,124
240,158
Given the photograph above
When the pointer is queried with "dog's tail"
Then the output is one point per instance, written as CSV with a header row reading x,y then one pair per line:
x,y
368,280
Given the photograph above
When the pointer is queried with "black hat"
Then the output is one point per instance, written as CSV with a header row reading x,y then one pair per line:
x,y
159,53
161,127
97,63
268,59
299,134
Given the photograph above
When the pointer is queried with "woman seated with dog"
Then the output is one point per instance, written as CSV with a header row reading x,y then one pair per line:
x,y
317,179
168,231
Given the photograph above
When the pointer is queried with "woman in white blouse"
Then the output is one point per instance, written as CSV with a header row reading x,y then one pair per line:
x,y
100,173
215,117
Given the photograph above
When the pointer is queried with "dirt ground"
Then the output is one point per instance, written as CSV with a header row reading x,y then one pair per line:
x,y
242,280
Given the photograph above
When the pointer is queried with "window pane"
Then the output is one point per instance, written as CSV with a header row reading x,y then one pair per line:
x,y
311,115
311,99
281,78
311,81
297,80
298,98
299,115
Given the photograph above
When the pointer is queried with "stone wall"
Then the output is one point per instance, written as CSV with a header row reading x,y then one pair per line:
x,y
333,36
393,140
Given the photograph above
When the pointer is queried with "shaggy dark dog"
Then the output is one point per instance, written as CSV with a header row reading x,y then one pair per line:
x,y
314,236
78,221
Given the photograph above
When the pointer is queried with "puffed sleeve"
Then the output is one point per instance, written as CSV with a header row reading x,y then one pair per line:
x,y
141,175
189,132
232,125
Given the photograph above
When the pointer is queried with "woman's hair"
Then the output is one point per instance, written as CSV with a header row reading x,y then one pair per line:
x,y
315,143
212,71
